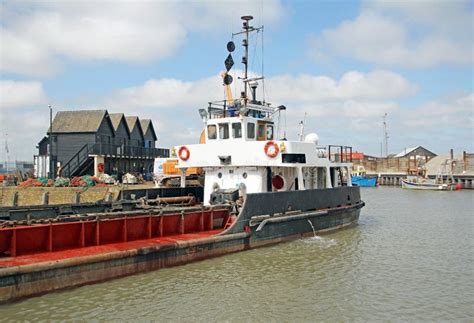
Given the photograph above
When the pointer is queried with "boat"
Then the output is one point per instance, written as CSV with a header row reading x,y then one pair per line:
x,y
444,180
360,177
259,189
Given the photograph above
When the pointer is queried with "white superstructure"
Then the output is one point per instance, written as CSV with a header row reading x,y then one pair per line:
x,y
242,152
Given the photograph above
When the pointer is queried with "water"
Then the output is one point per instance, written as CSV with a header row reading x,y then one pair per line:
x,y
410,259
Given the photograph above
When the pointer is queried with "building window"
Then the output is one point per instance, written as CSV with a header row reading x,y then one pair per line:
x,y
237,130
212,132
223,131
251,130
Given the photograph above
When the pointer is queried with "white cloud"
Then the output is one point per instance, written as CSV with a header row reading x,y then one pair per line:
x,y
455,112
173,103
17,94
354,85
166,93
36,35
409,34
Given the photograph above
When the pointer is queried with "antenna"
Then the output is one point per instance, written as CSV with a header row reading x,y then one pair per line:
x,y
302,127
385,133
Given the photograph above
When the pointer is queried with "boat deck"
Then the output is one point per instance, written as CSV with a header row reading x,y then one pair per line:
x,y
45,257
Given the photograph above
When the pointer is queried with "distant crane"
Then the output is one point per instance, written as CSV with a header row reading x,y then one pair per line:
x,y
7,153
385,134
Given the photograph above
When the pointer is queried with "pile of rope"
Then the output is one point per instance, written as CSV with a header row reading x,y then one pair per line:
x,y
37,182
85,181
82,181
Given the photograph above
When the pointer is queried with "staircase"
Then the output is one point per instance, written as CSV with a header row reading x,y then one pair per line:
x,y
79,162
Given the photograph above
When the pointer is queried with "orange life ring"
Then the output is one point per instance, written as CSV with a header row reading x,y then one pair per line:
x,y
183,153
101,167
271,149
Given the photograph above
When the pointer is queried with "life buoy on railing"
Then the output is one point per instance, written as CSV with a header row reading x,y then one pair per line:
x,y
183,153
101,167
271,149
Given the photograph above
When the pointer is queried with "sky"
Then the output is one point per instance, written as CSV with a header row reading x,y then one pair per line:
x,y
342,63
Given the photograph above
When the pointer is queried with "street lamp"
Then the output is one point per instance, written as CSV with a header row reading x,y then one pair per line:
x,y
51,163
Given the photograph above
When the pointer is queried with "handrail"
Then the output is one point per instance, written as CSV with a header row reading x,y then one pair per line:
x,y
66,168
121,151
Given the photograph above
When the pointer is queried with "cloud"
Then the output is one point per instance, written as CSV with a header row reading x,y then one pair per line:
x,y
18,94
303,90
407,34
173,103
354,85
166,93
455,112
36,36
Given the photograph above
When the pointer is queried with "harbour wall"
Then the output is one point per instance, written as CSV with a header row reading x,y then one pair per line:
x,y
466,181
22,196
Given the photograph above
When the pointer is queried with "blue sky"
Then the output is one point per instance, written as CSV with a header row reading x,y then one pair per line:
x,y
344,63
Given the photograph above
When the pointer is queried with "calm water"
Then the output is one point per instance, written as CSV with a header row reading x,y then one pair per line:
x,y
411,258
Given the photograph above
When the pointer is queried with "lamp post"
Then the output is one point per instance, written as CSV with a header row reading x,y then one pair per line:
x,y
51,163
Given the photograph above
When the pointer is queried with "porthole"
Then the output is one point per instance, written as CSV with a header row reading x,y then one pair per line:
x,y
244,175
219,175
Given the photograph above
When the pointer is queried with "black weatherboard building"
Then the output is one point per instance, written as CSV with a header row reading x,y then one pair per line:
x,y
84,138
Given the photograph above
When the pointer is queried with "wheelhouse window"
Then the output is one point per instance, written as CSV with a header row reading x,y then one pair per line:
x,y
261,132
237,130
269,132
251,130
212,132
223,131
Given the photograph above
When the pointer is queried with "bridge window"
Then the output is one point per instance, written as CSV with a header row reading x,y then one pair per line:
x,y
212,132
237,130
223,131
293,158
269,132
261,132
251,130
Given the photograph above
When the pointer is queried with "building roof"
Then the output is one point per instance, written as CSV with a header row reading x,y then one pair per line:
x,y
45,139
132,121
78,121
116,118
407,151
147,124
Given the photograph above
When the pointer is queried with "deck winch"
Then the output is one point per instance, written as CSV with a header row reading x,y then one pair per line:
x,y
222,196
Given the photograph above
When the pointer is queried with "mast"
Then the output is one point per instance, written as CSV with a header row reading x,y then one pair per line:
x,y
245,43
247,29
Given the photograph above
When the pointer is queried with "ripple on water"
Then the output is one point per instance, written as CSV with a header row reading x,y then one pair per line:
x,y
319,241
410,259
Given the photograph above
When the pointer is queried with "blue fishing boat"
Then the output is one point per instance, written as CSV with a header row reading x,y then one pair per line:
x,y
360,178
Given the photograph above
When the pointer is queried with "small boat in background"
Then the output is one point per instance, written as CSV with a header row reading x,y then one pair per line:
x,y
360,178
444,180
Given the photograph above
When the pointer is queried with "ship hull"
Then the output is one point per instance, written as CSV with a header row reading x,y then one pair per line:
x,y
428,186
364,181
265,219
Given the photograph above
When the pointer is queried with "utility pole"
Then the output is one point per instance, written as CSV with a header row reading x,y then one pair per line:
x,y
385,134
